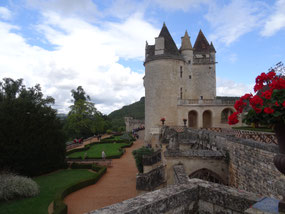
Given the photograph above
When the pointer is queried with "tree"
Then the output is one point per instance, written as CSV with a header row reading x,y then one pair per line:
x,y
83,118
31,137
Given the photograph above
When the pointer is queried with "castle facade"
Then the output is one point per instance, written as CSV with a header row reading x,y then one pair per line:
x,y
181,84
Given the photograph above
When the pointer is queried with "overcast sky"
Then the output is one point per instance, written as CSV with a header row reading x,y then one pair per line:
x,y
100,44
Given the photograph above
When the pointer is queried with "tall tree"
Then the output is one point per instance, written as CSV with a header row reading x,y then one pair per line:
x,y
83,118
31,137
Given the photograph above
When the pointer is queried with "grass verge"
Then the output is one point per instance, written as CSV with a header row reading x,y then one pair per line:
x,y
112,150
53,186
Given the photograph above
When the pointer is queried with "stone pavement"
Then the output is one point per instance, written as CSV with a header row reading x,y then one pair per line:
x,y
118,184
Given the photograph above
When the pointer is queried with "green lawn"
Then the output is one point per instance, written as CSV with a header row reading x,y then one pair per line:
x,y
49,186
95,151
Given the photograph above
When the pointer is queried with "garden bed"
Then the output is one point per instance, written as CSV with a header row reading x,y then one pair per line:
x,y
53,187
112,150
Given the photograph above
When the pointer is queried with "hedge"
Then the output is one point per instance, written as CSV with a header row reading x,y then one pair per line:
x,y
59,207
138,155
109,157
86,147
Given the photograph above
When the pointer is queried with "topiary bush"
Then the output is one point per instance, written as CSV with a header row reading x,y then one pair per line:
x,y
138,155
14,186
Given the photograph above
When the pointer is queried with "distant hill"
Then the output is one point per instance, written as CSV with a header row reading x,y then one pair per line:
x,y
135,110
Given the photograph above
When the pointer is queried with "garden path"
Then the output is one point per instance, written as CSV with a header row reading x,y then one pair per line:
x,y
118,184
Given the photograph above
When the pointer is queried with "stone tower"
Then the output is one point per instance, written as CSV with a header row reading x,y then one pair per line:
x,y
181,84
203,69
163,64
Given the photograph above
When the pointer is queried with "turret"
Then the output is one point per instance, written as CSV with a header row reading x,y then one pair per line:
x,y
203,69
164,73
186,48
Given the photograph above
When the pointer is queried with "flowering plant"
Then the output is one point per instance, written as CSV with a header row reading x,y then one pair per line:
x,y
162,119
184,119
267,106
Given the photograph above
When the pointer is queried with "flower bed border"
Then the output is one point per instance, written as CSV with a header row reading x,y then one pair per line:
x,y
59,207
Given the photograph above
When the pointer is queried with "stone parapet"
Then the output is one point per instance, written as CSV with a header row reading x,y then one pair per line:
x,y
250,163
195,153
150,180
180,176
151,159
197,196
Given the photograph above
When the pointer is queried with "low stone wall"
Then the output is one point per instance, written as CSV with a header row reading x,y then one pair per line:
x,y
197,196
265,137
150,180
250,163
180,176
154,158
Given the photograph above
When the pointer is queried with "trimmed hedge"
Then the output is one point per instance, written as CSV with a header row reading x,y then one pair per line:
x,y
106,140
138,155
86,147
121,150
59,207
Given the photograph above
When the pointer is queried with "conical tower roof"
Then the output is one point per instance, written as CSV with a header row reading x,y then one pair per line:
x,y
201,43
169,44
212,48
186,43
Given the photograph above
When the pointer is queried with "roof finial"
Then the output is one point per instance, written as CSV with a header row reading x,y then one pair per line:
x,y
164,25
186,34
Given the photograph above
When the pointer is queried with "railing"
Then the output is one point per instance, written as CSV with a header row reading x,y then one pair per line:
x,y
203,61
205,102
265,137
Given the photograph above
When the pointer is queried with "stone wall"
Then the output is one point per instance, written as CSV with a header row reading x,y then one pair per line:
x,y
133,123
250,163
196,196
150,180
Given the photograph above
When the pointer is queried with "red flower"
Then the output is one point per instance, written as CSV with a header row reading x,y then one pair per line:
x,y
268,110
277,83
246,97
267,94
283,104
257,110
162,119
239,105
271,74
233,118
258,86
276,103
256,100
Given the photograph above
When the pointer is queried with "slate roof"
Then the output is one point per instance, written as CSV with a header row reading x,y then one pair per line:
x,y
170,49
186,43
169,44
202,44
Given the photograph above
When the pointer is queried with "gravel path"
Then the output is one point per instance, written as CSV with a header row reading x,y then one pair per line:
x,y
118,184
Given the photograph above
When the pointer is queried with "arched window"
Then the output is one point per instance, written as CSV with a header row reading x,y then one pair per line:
x,y
193,119
225,115
207,175
207,119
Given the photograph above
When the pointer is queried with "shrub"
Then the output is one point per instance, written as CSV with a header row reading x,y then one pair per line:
x,y
138,155
32,141
59,206
14,186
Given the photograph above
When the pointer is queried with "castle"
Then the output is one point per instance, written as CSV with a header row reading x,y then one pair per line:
x,y
181,84
195,170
